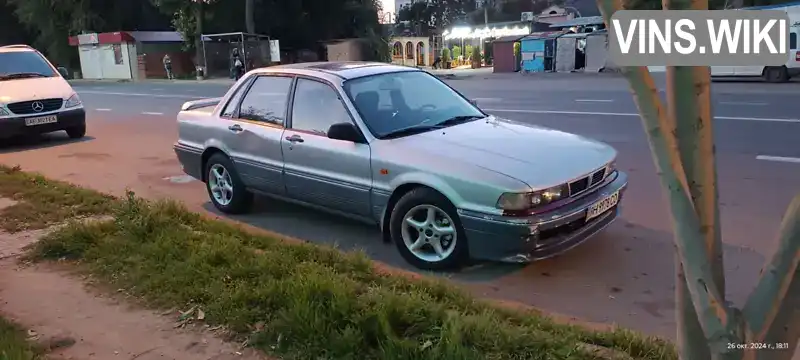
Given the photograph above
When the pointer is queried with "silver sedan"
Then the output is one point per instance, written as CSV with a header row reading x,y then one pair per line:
x,y
397,147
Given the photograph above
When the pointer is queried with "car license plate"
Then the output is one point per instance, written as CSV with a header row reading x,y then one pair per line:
x,y
41,120
602,206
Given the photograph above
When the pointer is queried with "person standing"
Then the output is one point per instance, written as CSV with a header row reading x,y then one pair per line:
x,y
238,65
168,66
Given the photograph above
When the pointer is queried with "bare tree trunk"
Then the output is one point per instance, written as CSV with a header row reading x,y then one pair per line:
x,y
681,141
690,114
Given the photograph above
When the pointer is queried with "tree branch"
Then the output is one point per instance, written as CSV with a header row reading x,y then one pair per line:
x,y
777,277
708,301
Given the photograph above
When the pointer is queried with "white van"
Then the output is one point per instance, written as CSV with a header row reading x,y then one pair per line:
x,y
771,73
34,97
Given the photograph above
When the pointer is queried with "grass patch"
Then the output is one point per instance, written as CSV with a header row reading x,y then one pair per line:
x,y
13,343
302,301
42,202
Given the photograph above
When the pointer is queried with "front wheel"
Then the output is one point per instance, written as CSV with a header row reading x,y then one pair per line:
x,y
225,188
427,231
777,74
77,132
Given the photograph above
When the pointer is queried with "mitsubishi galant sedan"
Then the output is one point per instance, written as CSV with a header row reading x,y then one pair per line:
x,y
397,147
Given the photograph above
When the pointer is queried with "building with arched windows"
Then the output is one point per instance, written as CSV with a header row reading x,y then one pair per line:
x,y
411,51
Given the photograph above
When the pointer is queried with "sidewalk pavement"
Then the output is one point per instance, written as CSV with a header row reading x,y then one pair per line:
x,y
446,74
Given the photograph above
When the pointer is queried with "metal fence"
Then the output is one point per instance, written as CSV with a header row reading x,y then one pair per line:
x,y
218,52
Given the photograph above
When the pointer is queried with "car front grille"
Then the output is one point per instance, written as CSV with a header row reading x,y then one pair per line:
x,y
27,107
587,182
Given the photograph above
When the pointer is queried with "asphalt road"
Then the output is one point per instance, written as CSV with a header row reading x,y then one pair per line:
x,y
625,275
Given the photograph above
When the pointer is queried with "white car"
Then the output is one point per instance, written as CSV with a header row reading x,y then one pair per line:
x,y
398,148
34,97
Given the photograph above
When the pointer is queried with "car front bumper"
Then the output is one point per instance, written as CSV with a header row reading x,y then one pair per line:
x,y
11,127
542,236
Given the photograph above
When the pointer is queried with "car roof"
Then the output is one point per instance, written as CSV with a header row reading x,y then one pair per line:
x,y
16,48
343,69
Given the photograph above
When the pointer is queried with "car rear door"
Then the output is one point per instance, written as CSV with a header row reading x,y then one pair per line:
x,y
335,174
256,125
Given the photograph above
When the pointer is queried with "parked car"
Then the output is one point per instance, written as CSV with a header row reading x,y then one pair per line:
x,y
34,96
397,147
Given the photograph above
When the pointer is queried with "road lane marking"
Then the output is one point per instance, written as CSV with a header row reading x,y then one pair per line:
x,y
102,109
152,113
743,103
594,100
146,95
488,99
180,179
778,159
593,113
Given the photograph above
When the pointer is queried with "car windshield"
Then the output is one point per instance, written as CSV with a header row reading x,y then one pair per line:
x,y
402,103
23,64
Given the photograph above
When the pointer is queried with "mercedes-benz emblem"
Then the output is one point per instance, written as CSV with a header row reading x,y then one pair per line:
x,y
37,106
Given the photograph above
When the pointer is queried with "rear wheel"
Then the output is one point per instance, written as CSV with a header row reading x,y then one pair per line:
x,y
777,74
77,132
427,231
225,188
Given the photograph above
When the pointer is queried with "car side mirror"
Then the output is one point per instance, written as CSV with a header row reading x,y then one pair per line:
x,y
345,131
473,102
63,71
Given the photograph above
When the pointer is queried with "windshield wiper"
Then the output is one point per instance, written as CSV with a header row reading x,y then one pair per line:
x,y
411,130
420,128
22,75
459,120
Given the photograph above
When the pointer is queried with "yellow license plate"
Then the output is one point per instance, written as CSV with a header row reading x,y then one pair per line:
x,y
602,206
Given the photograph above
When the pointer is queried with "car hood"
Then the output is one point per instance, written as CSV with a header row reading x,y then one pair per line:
x,y
537,156
34,89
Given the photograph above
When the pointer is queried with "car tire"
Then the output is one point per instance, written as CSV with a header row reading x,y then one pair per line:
x,y
777,74
417,202
76,132
238,199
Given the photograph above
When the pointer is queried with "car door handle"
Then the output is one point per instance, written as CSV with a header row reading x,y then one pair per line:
x,y
294,139
235,128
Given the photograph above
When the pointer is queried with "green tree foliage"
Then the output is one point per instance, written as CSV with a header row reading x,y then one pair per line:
x,y
11,31
51,22
456,52
712,4
297,24
509,10
437,14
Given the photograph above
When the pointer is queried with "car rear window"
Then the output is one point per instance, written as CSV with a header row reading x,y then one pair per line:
x,y
15,62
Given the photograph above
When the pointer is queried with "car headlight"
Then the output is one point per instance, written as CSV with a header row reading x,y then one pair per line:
x,y
531,200
612,166
3,111
73,101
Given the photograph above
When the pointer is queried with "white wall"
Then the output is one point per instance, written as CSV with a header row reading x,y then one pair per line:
x,y
89,62
112,70
98,62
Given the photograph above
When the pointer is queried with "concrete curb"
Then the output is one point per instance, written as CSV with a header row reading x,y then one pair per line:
x,y
151,81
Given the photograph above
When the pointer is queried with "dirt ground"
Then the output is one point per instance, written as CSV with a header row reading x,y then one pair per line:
x,y
64,313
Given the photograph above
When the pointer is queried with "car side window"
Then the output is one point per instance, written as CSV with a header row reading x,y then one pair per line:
x,y
230,108
316,107
266,100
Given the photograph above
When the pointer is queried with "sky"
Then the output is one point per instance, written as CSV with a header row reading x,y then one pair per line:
x,y
387,5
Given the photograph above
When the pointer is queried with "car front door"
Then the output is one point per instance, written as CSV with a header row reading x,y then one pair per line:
x,y
335,174
255,131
